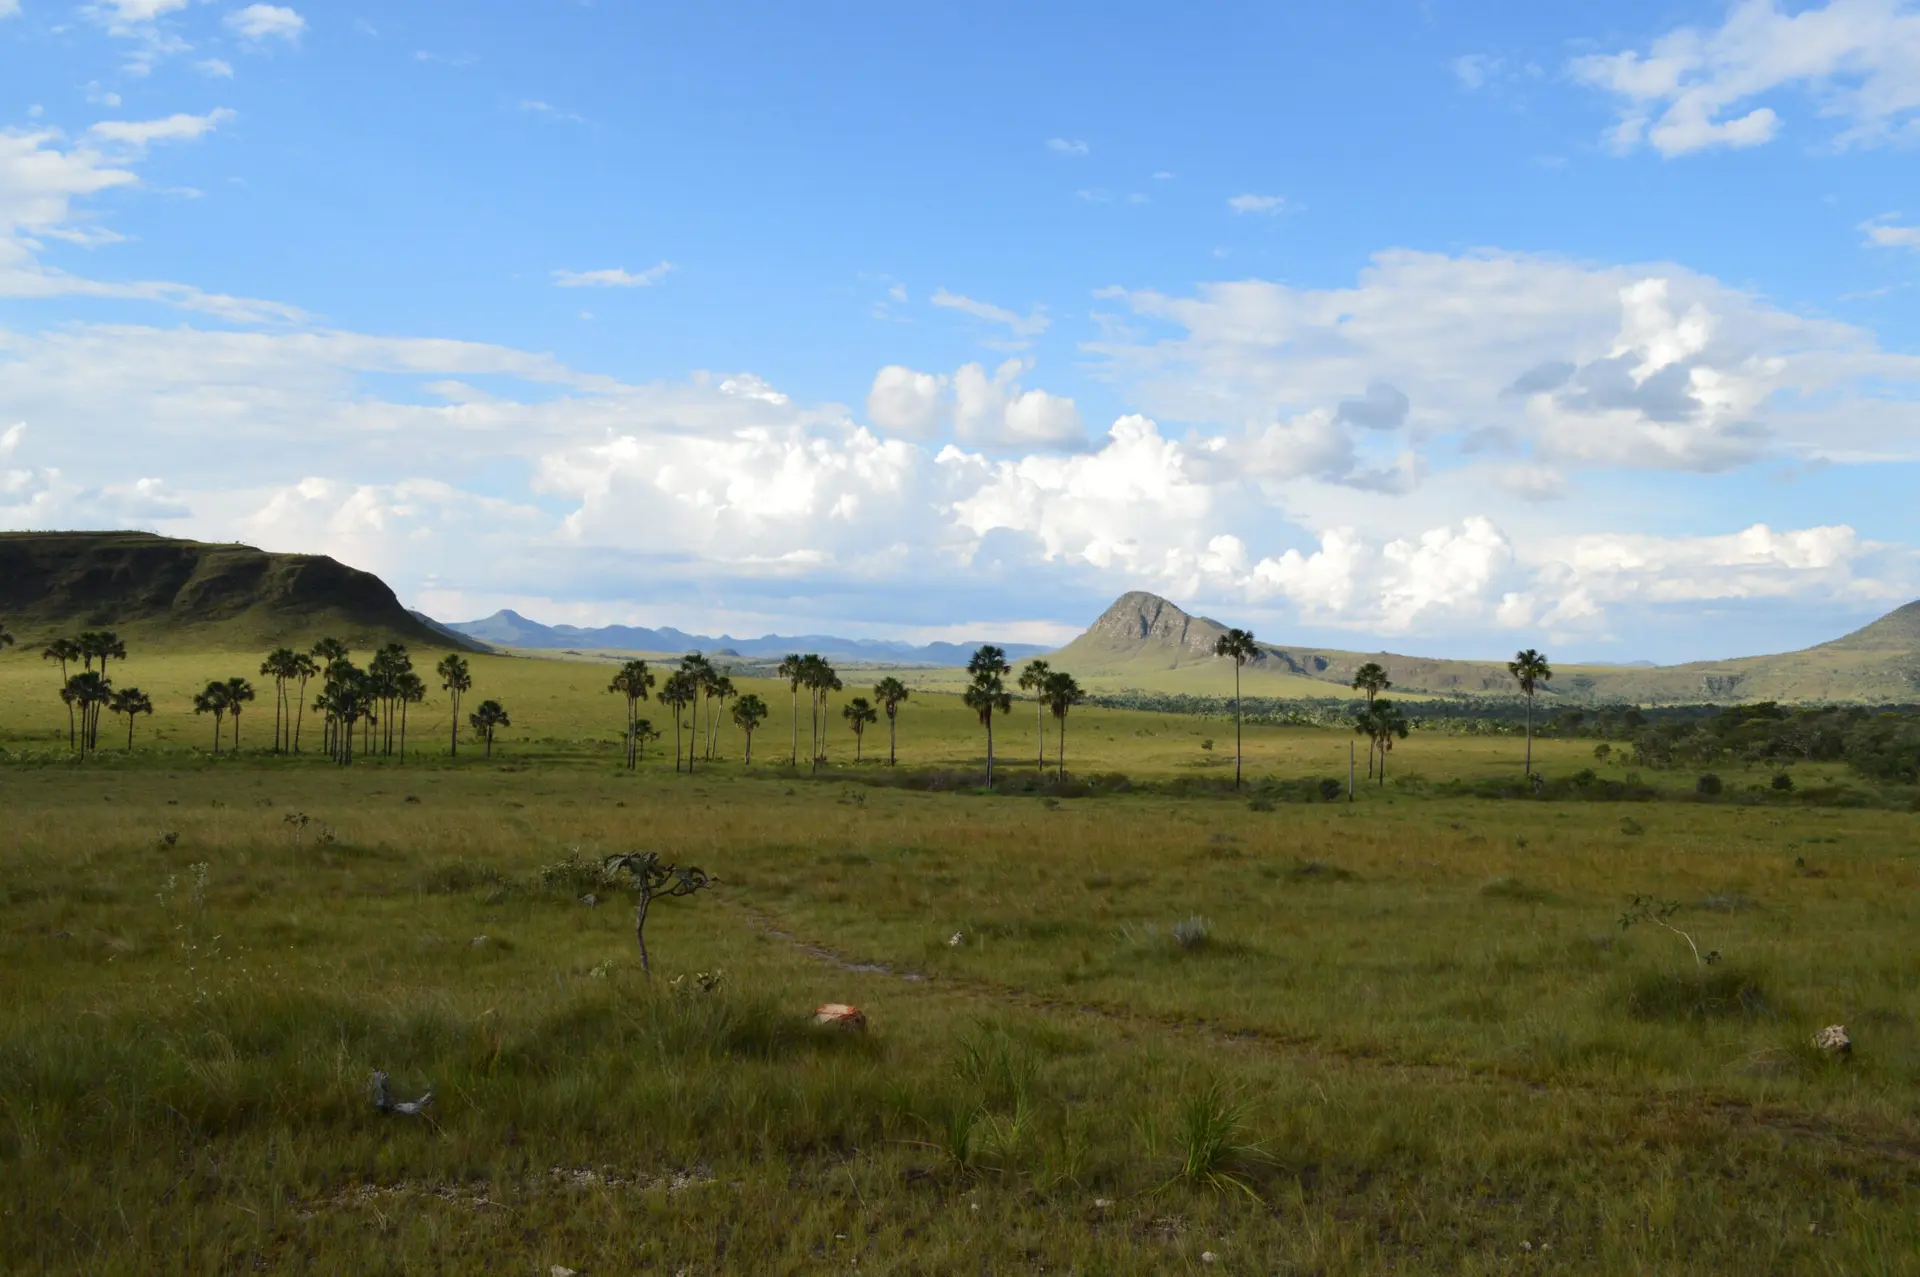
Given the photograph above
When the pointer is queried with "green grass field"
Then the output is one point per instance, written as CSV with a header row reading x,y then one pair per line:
x,y
1405,1034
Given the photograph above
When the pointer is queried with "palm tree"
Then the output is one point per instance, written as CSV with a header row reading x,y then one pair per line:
x,y
891,693
454,679
641,731
330,651
821,680
330,655
860,714
410,690
633,681
87,691
986,696
676,694
1034,679
1380,722
280,667
701,670
988,693
748,713
793,668
109,645
487,718
1061,694
721,689
303,669
1372,679
389,664
1239,645
213,700
1392,723
132,702
65,651
100,644
989,660
1530,669
239,693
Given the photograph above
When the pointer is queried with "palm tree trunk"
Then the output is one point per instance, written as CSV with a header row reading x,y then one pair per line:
x,y
129,733
989,749
403,731
893,722
1529,763
748,760
796,726
299,715
1061,753
217,728
1040,731
453,746
1236,724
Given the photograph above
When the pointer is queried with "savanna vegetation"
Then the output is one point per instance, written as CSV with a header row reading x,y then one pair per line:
x,y
1496,1011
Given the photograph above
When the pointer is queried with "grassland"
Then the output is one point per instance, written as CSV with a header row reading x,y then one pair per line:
x,y
1406,1034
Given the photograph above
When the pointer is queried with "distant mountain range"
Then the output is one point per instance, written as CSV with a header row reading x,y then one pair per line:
x,y
510,629
159,590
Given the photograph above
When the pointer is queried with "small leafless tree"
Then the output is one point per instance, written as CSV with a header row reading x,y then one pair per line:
x,y
1657,912
651,878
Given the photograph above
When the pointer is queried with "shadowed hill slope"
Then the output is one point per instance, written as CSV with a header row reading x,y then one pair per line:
x,y
168,592
1143,641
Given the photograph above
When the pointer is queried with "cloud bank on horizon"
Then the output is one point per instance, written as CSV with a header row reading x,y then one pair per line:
x,y
278,277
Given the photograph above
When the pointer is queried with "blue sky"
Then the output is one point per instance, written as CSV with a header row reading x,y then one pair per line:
x,y
1427,326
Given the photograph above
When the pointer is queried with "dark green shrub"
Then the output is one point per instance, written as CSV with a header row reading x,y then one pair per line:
x,y
1708,786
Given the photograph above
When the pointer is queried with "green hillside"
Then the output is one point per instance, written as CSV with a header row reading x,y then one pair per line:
x,y
1145,642
165,592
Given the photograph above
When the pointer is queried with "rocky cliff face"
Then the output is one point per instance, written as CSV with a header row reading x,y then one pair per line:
x,y
1140,619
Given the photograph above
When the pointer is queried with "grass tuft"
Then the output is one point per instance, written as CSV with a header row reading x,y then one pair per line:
x,y
1712,993
1506,887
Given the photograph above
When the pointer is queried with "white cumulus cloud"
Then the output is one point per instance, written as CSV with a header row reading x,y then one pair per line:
x,y
1021,327
266,22
174,128
1692,89
1268,204
613,277
1884,232
906,403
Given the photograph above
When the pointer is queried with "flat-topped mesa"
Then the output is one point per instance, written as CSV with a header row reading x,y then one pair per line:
x,y
157,588
1139,619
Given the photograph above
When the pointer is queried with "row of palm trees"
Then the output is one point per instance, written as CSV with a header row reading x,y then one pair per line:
x,y
696,686
378,696
351,699
1380,720
986,694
